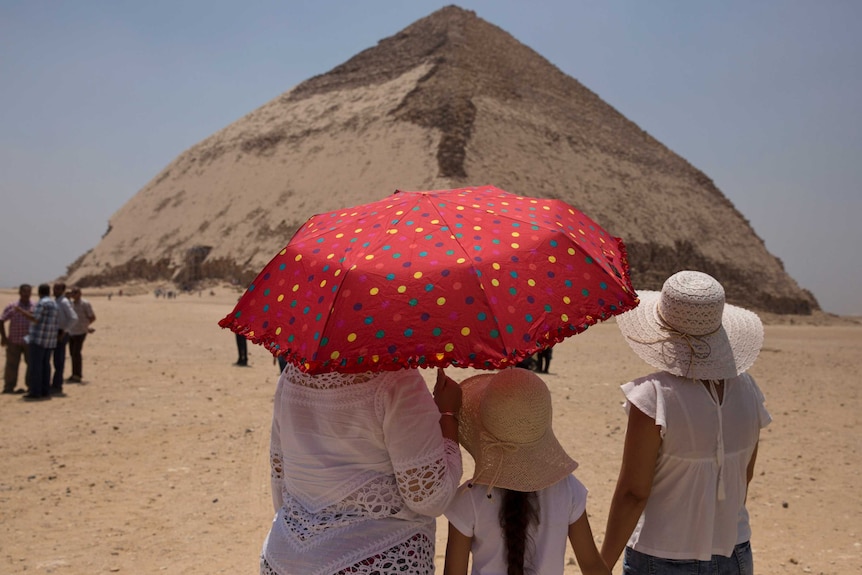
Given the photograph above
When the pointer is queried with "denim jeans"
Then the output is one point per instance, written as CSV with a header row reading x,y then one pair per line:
x,y
39,371
740,562
59,362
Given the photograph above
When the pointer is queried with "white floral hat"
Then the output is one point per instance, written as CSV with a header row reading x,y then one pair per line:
x,y
687,329
505,424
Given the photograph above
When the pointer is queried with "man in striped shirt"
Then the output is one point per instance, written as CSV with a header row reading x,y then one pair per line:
x,y
16,347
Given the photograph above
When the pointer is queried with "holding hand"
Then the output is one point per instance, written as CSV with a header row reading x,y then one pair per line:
x,y
447,393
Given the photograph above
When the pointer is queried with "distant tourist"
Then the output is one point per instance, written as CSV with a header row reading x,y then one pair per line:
x,y
78,332
41,341
544,359
66,318
692,436
15,341
242,351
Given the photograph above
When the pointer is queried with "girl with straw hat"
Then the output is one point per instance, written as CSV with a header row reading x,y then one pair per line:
x,y
523,502
692,436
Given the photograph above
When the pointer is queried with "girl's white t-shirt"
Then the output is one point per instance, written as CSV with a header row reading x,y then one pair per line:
x,y
475,515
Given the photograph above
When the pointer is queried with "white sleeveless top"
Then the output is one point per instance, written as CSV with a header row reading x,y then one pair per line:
x,y
696,508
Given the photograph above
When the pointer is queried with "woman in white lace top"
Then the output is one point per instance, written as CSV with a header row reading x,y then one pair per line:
x,y
361,466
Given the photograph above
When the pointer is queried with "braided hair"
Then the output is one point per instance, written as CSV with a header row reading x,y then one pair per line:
x,y
518,511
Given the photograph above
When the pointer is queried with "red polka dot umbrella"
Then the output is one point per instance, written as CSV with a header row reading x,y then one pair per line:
x,y
472,277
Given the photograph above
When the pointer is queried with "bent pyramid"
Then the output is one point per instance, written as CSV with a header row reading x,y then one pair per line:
x,y
450,101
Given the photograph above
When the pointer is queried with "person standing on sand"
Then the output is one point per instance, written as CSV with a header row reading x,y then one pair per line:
x,y
361,464
78,332
523,505
14,341
693,431
41,341
66,318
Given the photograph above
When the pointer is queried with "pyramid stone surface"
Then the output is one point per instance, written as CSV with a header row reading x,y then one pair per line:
x,y
450,101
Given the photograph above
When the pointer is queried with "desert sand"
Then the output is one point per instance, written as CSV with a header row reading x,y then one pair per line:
x,y
158,461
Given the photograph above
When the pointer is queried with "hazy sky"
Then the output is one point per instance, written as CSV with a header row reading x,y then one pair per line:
x,y
96,97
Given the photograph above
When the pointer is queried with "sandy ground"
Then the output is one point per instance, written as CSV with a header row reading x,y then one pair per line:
x,y
158,463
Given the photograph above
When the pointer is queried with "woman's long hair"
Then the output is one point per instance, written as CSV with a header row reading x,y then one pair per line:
x,y
518,511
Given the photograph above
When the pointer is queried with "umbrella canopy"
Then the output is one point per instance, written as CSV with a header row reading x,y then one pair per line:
x,y
472,277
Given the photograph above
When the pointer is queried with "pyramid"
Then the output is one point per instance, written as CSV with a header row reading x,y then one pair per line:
x,y
450,101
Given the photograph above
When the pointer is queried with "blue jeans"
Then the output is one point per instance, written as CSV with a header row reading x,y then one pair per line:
x,y
39,370
59,362
740,562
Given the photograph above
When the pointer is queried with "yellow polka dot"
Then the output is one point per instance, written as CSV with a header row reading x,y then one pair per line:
x,y
334,355
516,234
441,301
420,230
357,231
495,282
402,289
449,347
297,258
460,208
531,282
567,300
465,331
583,233
281,297
392,231
330,256
282,252
477,228
369,257
564,317
337,273
417,275
339,235
295,287
323,283
439,356
516,246
571,251
351,337
251,334
461,260
552,259
373,291
375,358
277,331
495,265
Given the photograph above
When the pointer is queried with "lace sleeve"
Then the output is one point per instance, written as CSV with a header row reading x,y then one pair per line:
x,y
427,466
428,487
276,461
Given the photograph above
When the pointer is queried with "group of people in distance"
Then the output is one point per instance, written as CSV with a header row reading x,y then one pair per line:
x,y
39,333
362,464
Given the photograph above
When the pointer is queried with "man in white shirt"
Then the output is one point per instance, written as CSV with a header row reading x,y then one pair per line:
x,y
66,318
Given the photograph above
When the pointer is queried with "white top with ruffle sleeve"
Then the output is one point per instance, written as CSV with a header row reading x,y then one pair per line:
x,y
696,508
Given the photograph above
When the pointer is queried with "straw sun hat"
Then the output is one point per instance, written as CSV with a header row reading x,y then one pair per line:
x,y
505,424
688,330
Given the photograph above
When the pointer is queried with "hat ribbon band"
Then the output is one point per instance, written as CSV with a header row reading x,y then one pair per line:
x,y
489,442
698,346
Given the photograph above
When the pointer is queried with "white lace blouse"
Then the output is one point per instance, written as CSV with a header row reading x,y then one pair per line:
x,y
696,507
360,470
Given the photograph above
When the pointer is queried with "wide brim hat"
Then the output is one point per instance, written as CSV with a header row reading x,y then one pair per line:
x,y
505,424
688,329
